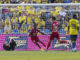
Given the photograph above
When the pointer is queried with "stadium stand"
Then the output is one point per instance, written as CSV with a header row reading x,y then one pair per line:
x,y
18,19
37,1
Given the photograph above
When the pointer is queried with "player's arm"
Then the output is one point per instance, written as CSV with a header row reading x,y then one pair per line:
x,y
78,26
68,27
40,32
31,34
78,29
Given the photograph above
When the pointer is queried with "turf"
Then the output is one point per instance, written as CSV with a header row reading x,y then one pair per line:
x,y
38,55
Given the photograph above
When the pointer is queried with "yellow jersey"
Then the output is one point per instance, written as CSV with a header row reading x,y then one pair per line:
x,y
36,20
38,1
26,0
73,25
76,2
29,19
55,13
0,2
13,19
22,18
7,22
58,9
40,23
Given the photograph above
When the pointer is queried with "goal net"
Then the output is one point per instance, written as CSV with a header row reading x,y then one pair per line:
x,y
18,19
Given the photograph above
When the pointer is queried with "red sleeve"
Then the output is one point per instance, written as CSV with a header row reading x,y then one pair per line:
x,y
31,32
38,30
57,23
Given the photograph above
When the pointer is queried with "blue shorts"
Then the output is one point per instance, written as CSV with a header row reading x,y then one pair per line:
x,y
73,36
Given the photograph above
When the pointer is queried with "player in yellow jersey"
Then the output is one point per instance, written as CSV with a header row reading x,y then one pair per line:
x,y
73,28
0,1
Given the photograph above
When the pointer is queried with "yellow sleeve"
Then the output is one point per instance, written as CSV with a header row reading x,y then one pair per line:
x,y
12,19
63,25
16,19
24,19
5,22
29,27
9,22
43,22
19,19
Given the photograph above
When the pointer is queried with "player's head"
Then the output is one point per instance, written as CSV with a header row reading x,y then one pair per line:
x,y
53,18
74,16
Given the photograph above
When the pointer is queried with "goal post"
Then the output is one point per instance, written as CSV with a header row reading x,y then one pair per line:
x,y
19,18
49,4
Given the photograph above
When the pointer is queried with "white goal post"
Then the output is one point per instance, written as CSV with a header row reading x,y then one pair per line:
x,y
50,4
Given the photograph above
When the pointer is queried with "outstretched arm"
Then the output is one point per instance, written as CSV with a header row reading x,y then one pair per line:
x,y
40,32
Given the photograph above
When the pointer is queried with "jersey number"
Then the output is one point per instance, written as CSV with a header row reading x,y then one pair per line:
x,y
73,26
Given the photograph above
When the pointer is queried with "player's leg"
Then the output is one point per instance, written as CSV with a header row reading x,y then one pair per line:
x,y
41,43
73,39
37,43
58,38
49,43
73,42
35,40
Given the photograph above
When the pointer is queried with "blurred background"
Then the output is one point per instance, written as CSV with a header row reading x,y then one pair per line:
x,y
38,1
18,19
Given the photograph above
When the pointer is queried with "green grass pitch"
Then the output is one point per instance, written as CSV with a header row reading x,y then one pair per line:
x,y
39,55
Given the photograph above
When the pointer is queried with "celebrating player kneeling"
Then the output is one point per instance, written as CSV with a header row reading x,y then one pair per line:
x,y
34,37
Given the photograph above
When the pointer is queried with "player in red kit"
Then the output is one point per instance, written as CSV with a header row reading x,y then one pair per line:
x,y
54,33
34,37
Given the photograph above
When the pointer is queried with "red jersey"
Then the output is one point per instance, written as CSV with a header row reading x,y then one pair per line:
x,y
55,26
34,32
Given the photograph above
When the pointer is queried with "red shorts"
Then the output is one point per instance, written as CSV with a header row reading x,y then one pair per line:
x,y
54,35
36,39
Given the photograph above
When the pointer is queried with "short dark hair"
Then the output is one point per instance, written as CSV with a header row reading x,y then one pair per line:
x,y
75,16
53,18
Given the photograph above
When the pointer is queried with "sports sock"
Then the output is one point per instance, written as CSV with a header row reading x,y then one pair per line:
x,y
73,44
38,45
49,43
